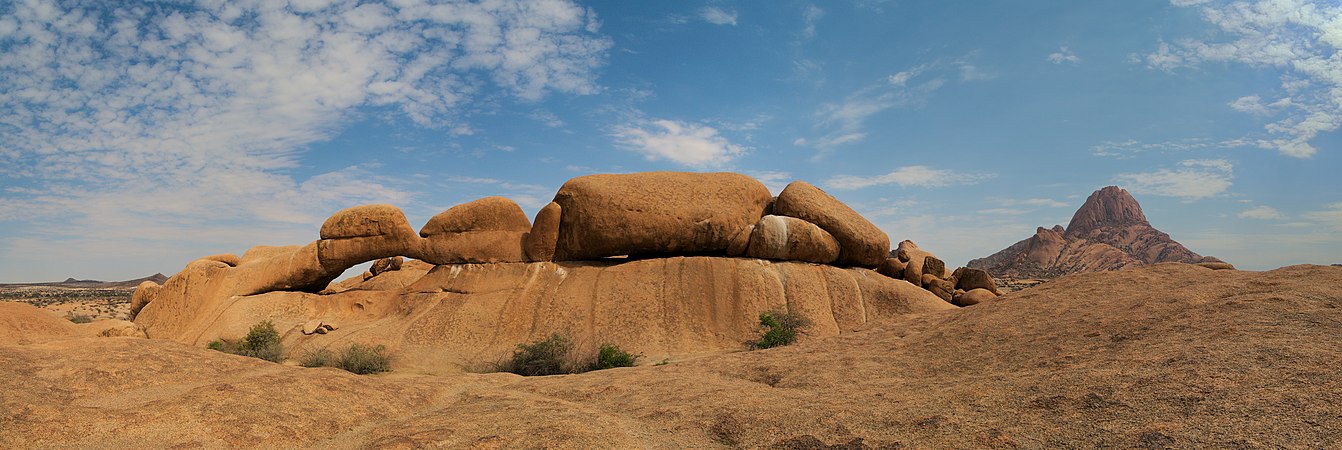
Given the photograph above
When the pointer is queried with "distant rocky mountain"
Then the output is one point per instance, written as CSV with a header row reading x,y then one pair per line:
x,y
1109,232
77,283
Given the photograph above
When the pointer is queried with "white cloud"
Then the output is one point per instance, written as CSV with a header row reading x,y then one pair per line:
x,y
717,16
1330,216
1196,179
908,176
683,143
1129,148
138,116
1262,212
811,15
844,121
1300,37
1063,55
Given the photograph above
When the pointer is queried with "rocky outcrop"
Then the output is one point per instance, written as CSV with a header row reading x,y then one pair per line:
x,y
861,243
1108,232
663,262
790,238
656,213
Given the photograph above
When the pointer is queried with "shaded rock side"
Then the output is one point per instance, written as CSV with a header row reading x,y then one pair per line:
x,y
656,213
458,315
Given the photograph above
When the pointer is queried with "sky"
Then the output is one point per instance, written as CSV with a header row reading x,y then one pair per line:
x,y
138,136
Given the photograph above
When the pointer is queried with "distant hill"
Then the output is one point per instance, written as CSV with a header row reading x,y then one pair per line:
x,y
1108,232
77,283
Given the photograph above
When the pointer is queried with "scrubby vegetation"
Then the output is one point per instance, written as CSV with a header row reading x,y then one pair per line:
x,y
357,358
781,328
610,356
79,318
553,356
262,341
363,359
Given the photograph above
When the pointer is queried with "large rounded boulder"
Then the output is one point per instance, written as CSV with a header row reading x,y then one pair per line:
x,y
488,230
790,238
861,243
655,213
486,214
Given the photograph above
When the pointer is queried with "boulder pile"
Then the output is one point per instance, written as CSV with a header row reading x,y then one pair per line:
x,y
596,221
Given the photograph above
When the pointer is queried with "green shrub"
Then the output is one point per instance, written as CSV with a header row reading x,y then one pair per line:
x,y
363,360
547,356
782,329
611,356
79,318
317,358
262,341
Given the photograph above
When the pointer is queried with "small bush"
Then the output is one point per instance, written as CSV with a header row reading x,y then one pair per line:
x,y
262,341
610,356
547,356
363,360
79,318
782,329
317,358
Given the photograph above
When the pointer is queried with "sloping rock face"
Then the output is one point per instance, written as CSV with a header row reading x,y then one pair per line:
x,y
660,263
465,316
1109,232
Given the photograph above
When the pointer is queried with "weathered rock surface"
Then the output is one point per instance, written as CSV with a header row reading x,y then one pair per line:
x,y
790,238
386,265
655,213
1108,232
144,293
860,242
968,279
454,316
1037,369
474,247
973,297
486,214
539,244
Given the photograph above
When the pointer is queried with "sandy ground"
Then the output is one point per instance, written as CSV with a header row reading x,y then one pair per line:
x,y
1166,356
68,302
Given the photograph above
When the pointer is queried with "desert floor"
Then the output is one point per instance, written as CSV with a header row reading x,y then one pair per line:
x,y
1166,356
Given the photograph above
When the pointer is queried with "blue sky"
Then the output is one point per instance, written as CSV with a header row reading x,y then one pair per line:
x,y
134,139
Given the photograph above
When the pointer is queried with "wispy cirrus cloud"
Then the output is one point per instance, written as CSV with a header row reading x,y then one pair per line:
x,y
844,122
1300,37
907,176
145,113
1194,179
718,16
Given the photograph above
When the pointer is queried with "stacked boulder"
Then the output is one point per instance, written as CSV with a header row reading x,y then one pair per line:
x,y
592,217
963,287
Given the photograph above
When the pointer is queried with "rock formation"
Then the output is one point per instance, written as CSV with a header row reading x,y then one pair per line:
x,y
1109,232
660,263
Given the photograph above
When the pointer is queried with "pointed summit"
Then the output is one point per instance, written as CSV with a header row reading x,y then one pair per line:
x,y
1109,232
1110,207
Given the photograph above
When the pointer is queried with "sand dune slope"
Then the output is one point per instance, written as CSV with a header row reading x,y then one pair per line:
x,y
1169,355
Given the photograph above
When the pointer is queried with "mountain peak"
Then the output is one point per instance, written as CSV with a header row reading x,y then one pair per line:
x,y
1108,207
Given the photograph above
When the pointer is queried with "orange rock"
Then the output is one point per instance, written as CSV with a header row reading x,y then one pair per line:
x,y
655,213
790,238
539,244
486,214
860,242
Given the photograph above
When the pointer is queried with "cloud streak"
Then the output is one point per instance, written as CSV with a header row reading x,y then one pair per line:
x,y
908,176
1300,37
141,114
1195,179
687,144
